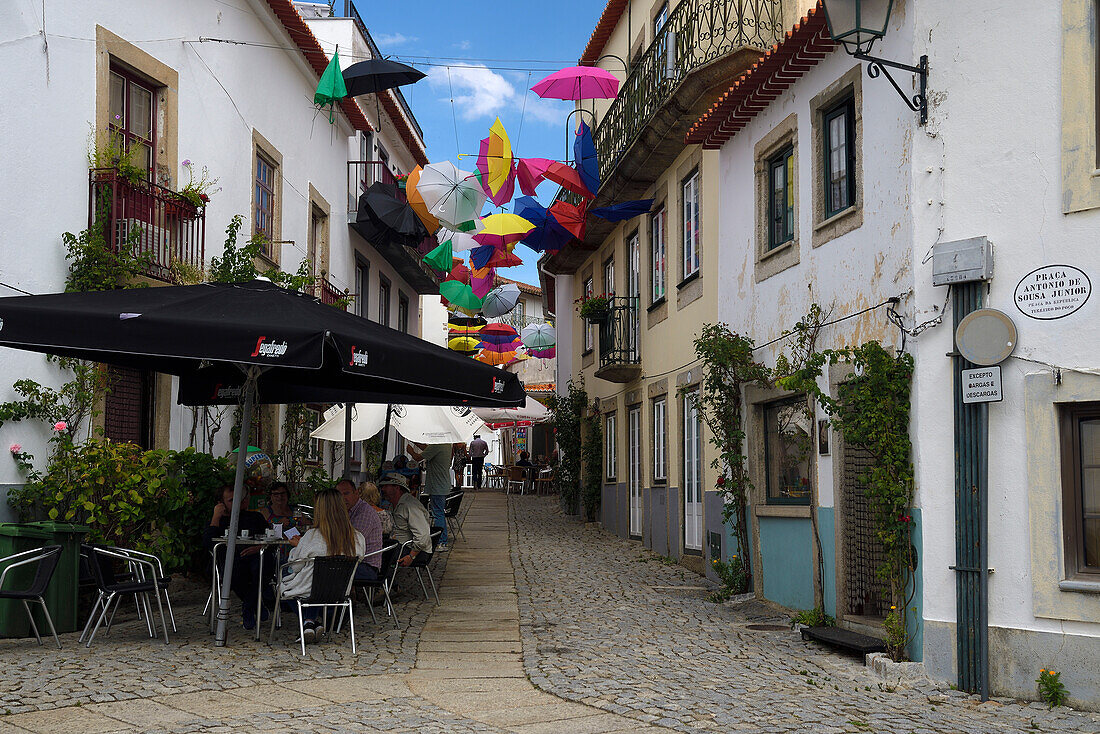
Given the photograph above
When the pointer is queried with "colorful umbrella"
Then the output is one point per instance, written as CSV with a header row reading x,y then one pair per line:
x,y
538,336
459,294
569,216
460,241
481,281
497,330
584,156
578,82
500,300
441,257
530,172
548,353
459,272
507,346
416,201
495,163
502,229
487,256
567,177
495,359
451,195
623,210
331,87
548,234
464,344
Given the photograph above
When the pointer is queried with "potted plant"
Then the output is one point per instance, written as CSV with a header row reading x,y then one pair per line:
x,y
594,309
195,193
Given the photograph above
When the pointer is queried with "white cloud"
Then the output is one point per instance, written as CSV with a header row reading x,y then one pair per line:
x,y
393,39
463,45
479,92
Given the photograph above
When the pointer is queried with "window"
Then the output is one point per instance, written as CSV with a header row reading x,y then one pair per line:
x,y
362,286
588,292
693,473
1080,440
316,244
609,276
657,260
839,164
611,456
402,312
691,224
520,313
315,452
660,19
787,435
263,220
383,300
131,117
660,451
781,198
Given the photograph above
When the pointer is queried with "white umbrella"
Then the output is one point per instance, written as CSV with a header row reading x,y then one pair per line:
x,y
367,419
453,196
533,411
538,336
419,423
500,300
460,241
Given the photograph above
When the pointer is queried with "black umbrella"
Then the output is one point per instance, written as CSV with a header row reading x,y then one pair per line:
x,y
250,342
388,217
376,75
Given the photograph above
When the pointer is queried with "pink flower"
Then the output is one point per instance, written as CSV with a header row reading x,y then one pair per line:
x,y
15,448
186,163
60,426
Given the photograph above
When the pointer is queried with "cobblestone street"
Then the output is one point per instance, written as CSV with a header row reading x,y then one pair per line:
x,y
612,639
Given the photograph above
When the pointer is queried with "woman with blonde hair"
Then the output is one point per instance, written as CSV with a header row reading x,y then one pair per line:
x,y
331,535
373,497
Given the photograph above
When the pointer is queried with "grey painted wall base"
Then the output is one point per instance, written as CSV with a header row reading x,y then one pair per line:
x,y
6,513
1015,658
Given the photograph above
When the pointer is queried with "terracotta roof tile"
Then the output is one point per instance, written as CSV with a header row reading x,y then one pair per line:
x,y
610,17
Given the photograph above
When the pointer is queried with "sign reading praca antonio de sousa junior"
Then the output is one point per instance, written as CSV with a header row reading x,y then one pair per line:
x,y
1052,291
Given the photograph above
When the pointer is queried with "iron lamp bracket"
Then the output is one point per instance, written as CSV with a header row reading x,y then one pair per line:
x,y
917,102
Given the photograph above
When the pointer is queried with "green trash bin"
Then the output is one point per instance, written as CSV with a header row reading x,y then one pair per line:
x,y
17,538
64,590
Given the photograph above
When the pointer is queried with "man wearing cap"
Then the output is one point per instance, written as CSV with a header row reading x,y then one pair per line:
x,y
478,451
410,519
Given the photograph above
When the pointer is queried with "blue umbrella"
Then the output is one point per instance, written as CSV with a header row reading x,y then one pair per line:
x,y
548,234
623,210
584,155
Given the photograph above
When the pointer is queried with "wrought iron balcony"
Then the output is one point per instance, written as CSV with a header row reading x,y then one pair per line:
x,y
517,321
619,355
697,33
158,221
329,294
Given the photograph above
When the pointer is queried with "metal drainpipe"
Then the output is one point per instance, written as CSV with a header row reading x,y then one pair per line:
x,y
971,512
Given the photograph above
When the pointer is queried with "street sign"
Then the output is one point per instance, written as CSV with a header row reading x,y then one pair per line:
x,y
1052,291
982,385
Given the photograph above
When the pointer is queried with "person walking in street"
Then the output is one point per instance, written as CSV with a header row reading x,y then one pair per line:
x,y
478,451
410,519
436,459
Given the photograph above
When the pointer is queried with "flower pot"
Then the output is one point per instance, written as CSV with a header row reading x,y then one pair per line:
x,y
596,317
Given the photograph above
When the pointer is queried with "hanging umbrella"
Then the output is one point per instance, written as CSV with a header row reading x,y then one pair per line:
x,y
538,336
623,210
496,359
569,216
556,171
575,83
495,163
416,201
510,345
487,256
391,218
481,280
459,294
548,353
548,234
460,241
584,157
530,172
441,257
464,344
330,88
377,75
450,194
497,333
503,228
500,300
459,272
248,342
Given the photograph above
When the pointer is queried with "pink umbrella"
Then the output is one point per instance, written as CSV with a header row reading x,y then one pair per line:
x,y
481,280
530,172
578,82
507,184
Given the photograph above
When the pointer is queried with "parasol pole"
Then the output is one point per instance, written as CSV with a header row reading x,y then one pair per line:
x,y
385,438
238,498
347,439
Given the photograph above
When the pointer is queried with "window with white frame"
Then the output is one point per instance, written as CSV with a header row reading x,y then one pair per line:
x,y
657,255
691,241
362,287
660,450
609,276
383,300
588,340
611,457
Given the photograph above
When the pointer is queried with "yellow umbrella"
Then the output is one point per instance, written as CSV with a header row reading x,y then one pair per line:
x,y
496,164
464,344
416,201
502,229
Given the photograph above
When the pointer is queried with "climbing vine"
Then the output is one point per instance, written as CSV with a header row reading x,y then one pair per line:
x,y
94,265
592,457
871,410
729,367
566,413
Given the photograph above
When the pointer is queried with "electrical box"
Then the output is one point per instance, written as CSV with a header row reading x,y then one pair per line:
x,y
962,261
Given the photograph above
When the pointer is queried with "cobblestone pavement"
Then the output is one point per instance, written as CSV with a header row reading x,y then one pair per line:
x,y
604,622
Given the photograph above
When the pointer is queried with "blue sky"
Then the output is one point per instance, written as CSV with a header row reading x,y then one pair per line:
x,y
487,55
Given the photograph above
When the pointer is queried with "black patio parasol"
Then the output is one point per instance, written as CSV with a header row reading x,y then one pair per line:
x,y
377,75
247,343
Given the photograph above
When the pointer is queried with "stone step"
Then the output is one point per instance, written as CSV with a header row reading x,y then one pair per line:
x,y
846,640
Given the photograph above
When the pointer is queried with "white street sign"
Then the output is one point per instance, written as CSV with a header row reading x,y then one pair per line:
x,y
982,385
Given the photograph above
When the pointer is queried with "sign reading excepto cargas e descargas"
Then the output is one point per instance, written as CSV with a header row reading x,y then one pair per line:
x,y
1052,291
982,385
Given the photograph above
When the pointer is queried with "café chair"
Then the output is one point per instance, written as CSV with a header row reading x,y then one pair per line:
x,y
333,577
146,581
46,563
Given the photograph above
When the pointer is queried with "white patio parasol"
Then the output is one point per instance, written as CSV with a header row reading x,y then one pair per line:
x,y
419,423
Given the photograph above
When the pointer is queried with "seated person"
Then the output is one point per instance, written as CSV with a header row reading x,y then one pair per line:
x,y
366,521
370,494
525,462
278,510
331,535
246,567
410,518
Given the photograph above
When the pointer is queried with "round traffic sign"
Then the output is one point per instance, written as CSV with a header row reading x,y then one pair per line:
x,y
986,336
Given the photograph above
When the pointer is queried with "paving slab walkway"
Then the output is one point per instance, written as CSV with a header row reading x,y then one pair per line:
x,y
467,675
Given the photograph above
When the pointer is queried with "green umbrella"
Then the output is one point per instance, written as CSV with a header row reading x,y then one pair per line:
x,y
331,87
441,258
459,294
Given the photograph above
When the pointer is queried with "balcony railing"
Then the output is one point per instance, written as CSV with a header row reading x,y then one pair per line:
x,y
329,294
517,321
697,32
619,357
161,224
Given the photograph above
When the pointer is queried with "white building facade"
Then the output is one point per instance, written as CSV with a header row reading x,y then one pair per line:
x,y
1009,154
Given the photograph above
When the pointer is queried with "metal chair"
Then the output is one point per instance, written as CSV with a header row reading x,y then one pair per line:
x,y
46,560
332,580
545,480
101,560
517,475
450,514
385,572
420,563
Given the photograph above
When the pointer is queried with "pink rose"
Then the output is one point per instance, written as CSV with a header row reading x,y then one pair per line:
x,y
15,448
60,426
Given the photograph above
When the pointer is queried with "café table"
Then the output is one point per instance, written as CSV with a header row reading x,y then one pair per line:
x,y
265,543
